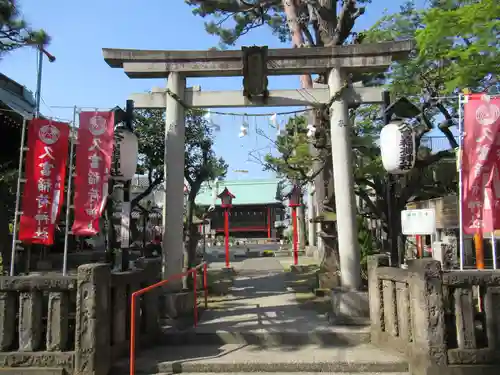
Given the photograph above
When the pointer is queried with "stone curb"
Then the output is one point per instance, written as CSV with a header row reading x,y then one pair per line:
x,y
268,339
200,366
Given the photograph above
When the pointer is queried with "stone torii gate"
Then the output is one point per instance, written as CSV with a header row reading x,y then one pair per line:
x,y
255,64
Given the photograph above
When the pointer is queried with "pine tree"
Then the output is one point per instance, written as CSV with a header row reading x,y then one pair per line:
x,y
15,32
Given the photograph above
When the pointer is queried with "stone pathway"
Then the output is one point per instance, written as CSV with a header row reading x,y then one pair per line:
x,y
259,328
260,300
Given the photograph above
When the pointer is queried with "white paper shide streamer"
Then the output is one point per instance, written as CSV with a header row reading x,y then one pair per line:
x,y
397,147
311,131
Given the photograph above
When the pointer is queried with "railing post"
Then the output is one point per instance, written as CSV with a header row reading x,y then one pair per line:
x,y
93,347
377,323
428,354
133,324
195,281
205,286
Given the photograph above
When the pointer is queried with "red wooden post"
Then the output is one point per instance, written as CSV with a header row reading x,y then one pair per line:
x,y
268,222
195,291
420,249
205,286
226,233
227,198
295,237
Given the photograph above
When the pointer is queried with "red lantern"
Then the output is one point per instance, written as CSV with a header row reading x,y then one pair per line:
x,y
227,202
294,197
226,198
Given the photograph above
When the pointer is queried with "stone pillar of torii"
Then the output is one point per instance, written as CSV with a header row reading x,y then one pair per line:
x,y
255,64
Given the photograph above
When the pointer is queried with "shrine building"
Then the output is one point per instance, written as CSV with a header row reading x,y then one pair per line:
x,y
257,208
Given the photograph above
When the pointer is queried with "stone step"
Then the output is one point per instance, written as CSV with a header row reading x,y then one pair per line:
x,y
331,337
287,373
254,359
31,371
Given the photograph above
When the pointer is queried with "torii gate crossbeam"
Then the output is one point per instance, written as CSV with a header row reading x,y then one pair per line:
x,y
337,62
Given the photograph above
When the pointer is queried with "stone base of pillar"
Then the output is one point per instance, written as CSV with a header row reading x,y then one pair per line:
x,y
349,307
221,287
299,268
176,304
228,271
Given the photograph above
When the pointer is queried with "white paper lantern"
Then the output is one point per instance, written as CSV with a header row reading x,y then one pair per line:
x,y
125,155
397,147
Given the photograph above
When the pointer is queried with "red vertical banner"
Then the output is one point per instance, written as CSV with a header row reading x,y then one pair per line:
x,y
93,165
481,164
45,172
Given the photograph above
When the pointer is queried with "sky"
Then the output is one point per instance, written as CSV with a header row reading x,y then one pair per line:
x,y
80,77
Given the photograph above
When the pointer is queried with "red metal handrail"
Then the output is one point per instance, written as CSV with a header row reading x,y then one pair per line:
x,y
154,286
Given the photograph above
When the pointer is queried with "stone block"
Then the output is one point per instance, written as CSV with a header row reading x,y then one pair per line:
x,y
93,346
57,321
30,321
298,268
7,320
328,280
221,287
175,305
349,307
228,271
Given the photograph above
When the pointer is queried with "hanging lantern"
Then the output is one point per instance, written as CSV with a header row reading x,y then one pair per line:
x,y
398,147
294,197
226,198
125,155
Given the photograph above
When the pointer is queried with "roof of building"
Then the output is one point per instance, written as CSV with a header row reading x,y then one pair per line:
x,y
246,192
16,97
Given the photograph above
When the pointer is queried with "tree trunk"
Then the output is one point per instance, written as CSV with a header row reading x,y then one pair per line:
x,y
290,8
330,263
327,26
191,233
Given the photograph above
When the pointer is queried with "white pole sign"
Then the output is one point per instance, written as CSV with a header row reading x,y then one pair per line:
x,y
418,222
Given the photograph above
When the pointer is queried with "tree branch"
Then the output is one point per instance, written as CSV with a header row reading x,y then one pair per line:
x,y
348,15
434,158
146,192
234,6
308,35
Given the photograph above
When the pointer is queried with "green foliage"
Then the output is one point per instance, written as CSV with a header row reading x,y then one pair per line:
x,y
14,31
457,46
200,161
229,22
294,161
231,19
465,37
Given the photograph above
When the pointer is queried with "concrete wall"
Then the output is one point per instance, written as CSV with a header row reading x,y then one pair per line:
x,y
75,324
444,322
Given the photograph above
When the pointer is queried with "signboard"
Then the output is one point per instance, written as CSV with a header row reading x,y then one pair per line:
x,y
418,222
